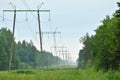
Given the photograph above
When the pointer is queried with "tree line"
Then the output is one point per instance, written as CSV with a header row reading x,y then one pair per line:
x,y
102,50
25,54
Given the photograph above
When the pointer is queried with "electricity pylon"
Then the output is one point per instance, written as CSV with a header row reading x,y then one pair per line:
x,y
12,42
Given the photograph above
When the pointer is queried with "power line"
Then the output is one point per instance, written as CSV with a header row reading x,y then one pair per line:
x,y
27,6
39,6
12,45
3,19
32,32
15,11
54,37
12,5
8,20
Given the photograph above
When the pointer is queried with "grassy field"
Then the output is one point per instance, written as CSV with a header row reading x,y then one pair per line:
x,y
89,74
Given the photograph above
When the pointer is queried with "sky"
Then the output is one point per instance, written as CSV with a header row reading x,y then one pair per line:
x,y
73,18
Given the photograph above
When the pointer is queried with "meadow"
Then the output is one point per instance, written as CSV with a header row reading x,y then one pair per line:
x,y
88,74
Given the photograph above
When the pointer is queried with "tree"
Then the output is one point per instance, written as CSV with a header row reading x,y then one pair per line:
x,y
29,55
117,13
5,43
26,53
85,54
104,45
3,60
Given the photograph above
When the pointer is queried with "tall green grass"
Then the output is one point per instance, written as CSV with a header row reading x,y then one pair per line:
x,y
88,74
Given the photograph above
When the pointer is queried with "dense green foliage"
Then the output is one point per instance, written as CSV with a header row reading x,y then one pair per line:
x,y
25,55
49,60
117,13
5,42
103,49
29,56
85,56
106,45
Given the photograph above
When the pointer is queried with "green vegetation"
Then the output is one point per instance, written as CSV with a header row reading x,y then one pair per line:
x,y
30,57
25,55
88,74
102,50
5,43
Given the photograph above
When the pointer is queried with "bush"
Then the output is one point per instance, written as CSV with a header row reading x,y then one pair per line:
x,y
24,66
113,75
25,72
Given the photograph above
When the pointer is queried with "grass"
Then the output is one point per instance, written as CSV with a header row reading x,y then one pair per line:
x,y
89,74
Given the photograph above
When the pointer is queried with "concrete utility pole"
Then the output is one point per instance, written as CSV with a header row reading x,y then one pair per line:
x,y
12,44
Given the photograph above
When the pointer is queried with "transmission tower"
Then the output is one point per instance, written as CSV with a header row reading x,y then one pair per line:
x,y
12,42
54,37
62,51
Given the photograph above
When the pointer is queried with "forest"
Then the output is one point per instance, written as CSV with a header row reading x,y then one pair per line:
x,y
25,54
102,50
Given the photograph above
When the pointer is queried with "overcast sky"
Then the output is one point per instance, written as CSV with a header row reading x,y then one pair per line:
x,y
73,18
